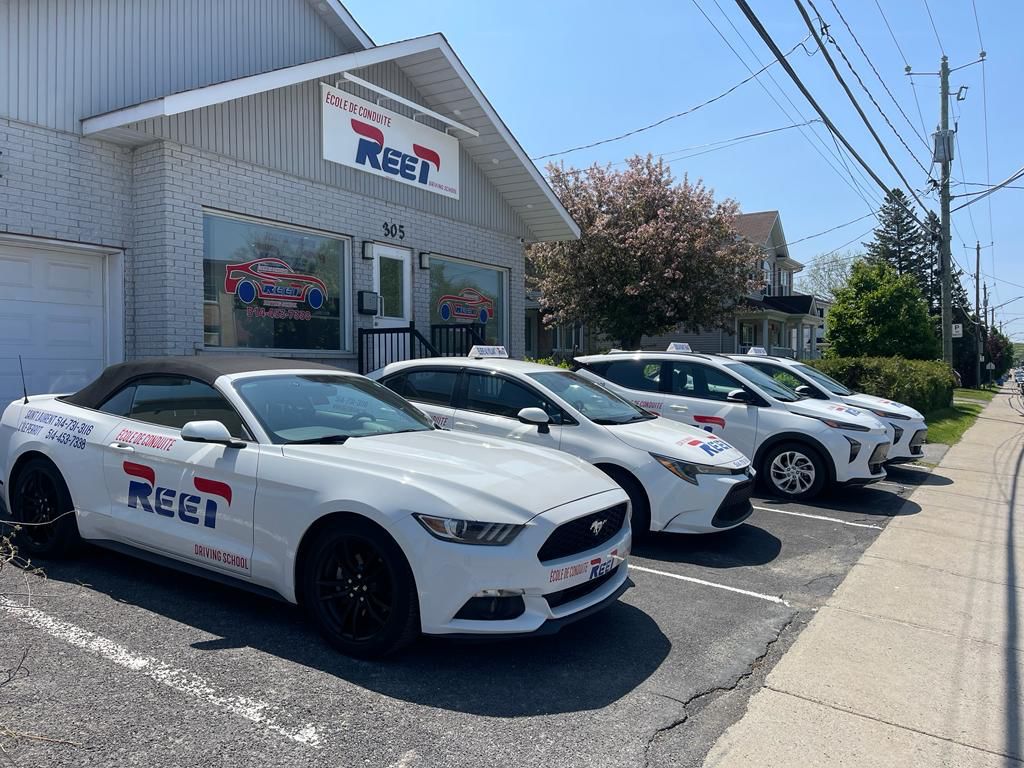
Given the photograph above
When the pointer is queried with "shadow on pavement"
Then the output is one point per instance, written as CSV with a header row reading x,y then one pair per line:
x,y
744,545
566,672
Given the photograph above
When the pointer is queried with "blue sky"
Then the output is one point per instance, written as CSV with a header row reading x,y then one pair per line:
x,y
566,72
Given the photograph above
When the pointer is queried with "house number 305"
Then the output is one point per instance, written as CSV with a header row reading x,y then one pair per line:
x,y
393,230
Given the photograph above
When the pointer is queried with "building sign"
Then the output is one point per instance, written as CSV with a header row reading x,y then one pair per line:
x,y
361,135
467,292
272,287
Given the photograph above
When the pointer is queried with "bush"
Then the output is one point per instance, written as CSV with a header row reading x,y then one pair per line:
x,y
922,384
557,362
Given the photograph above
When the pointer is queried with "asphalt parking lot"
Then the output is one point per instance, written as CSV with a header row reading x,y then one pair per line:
x,y
126,663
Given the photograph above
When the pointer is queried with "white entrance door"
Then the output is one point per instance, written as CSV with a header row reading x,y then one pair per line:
x,y
392,280
54,313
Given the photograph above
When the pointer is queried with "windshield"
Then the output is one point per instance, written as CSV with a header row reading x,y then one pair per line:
x,y
592,400
318,408
765,382
827,382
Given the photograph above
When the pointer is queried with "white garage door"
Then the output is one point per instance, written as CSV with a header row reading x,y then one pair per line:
x,y
53,312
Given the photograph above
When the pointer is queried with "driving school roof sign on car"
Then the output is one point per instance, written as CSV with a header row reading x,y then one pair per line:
x,y
361,135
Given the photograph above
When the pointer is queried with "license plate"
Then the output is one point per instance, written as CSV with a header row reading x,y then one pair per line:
x,y
585,570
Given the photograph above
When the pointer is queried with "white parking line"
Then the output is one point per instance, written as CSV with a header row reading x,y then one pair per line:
x,y
180,680
702,582
819,517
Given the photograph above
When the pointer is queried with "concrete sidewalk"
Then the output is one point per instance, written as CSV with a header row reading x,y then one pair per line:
x,y
918,657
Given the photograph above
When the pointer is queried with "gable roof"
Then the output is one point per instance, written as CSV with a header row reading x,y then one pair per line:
x,y
444,85
343,24
756,227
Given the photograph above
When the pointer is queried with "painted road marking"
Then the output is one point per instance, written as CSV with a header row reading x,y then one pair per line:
x,y
702,582
819,517
180,680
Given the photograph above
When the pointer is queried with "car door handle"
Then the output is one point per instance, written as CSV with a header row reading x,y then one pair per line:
x,y
122,447
679,407
466,425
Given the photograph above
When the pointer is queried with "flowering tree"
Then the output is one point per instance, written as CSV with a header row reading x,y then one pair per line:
x,y
652,253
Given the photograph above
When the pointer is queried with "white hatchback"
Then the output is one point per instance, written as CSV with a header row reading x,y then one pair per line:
x,y
679,479
908,425
798,445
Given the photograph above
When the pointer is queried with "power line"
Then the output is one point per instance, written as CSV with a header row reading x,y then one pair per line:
x,y
664,120
960,157
984,112
906,66
934,28
1019,173
830,229
852,181
853,100
879,76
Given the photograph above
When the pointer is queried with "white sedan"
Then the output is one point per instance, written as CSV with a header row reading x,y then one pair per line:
x,y
908,426
679,478
319,487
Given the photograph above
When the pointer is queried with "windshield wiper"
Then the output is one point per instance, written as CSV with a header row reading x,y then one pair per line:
x,y
323,439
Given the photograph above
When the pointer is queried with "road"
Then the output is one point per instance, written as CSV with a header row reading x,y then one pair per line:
x,y
133,664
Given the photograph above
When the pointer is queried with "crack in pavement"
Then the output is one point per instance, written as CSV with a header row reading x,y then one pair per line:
x,y
718,689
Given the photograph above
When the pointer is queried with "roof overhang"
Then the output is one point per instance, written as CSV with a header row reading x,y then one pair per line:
x,y
444,86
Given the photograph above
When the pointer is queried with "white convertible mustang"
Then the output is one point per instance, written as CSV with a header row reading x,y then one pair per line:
x,y
320,487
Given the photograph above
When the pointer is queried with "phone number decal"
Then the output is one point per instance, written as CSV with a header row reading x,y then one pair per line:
x,y
278,314
62,430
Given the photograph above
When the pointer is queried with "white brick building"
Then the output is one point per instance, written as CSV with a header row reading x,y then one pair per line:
x,y
144,152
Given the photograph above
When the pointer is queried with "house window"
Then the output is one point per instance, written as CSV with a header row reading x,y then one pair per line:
x,y
785,276
267,286
567,337
468,292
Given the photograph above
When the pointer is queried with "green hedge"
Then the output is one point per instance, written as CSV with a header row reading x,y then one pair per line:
x,y
922,384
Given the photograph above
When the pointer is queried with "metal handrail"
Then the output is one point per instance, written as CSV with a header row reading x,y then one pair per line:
x,y
398,344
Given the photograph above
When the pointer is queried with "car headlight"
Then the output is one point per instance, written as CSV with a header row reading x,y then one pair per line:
x,y
688,470
889,415
469,531
841,424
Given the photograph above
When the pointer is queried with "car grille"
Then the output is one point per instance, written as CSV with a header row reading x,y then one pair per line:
x,y
878,458
735,507
564,596
579,535
917,442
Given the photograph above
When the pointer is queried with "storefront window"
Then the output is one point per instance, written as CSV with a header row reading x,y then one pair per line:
x,y
272,287
463,292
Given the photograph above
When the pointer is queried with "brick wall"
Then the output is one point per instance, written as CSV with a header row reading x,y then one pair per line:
x,y
150,202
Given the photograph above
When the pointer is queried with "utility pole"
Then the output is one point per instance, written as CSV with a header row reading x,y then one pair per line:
x,y
977,317
946,157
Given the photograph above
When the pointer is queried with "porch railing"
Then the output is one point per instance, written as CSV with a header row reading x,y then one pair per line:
x,y
455,340
380,346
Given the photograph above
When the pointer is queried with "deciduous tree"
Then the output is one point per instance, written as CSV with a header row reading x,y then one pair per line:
x,y
825,275
652,253
880,313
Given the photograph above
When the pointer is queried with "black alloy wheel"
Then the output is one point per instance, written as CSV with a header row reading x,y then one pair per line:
x,y
42,505
359,589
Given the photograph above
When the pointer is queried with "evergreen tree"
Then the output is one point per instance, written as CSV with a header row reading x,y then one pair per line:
x,y
900,242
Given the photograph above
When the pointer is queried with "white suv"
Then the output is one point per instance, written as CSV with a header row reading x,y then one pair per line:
x,y
797,444
909,428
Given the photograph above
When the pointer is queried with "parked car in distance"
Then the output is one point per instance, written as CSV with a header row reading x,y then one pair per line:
x,y
320,487
908,425
799,446
679,478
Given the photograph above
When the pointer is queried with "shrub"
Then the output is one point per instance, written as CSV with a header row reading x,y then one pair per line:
x,y
557,362
926,385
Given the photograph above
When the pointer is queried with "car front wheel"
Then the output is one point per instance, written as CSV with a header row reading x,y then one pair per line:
x,y
360,591
42,507
793,471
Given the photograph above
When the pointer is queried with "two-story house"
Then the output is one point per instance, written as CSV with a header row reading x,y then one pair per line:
x,y
236,176
772,315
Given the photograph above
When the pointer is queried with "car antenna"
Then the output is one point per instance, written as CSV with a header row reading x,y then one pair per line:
x,y
24,386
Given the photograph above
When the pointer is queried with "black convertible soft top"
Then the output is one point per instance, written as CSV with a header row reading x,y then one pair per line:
x,y
205,368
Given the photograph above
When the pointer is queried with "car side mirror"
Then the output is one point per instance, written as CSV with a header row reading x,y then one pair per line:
x,y
537,417
739,396
805,390
209,432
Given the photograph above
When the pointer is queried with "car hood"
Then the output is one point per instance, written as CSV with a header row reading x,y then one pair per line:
x,y
476,477
837,411
861,400
678,441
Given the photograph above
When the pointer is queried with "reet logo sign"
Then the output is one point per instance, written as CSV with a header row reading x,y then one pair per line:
x,y
361,135
145,494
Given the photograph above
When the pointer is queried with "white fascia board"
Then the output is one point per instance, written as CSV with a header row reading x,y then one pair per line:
x,y
506,134
350,23
219,93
